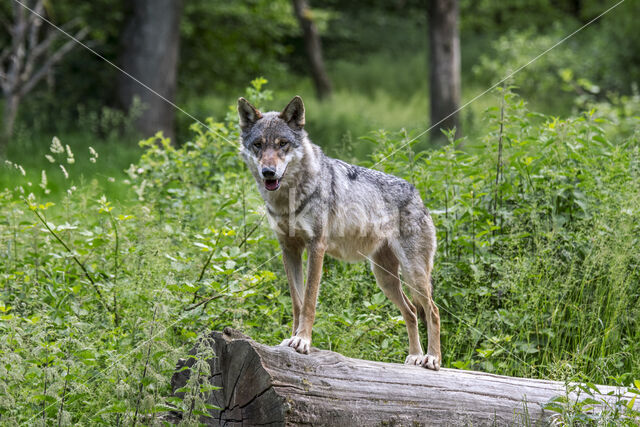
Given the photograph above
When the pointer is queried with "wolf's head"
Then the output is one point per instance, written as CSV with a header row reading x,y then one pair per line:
x,y
272,142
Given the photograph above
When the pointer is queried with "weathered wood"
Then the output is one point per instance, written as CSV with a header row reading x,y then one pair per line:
x,y
262,385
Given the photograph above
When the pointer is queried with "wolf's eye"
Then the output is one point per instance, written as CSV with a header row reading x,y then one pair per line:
x,y
283,143
257,145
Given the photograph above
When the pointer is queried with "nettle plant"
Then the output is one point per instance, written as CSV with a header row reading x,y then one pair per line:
x,y
538,235
584,404
100,298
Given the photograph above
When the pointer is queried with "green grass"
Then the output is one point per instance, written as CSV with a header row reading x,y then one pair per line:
x,y
115,155
384,91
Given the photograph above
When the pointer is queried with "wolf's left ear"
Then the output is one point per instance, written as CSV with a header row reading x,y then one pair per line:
x,y
247,113
293,113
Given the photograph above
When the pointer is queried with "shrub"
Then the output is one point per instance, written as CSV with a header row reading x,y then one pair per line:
x,y
537,268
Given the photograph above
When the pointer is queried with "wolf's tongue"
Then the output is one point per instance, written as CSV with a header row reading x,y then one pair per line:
x,y
271,184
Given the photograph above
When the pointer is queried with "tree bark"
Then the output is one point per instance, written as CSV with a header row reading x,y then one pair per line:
x,y
149,52
262,385
313,46
11,103
444,64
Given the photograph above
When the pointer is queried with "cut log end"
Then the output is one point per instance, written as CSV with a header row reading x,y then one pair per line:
x,y
262,385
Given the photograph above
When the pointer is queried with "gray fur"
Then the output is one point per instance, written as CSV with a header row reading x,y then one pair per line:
x,y
349,212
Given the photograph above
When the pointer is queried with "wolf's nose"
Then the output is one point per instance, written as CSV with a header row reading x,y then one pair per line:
x,y
268,172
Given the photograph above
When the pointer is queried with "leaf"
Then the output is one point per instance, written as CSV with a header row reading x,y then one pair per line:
x,y
203,246
44,397
631,402
174,399
116,408
162,407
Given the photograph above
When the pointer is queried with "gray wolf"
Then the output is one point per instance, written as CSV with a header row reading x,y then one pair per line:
x,y
327,206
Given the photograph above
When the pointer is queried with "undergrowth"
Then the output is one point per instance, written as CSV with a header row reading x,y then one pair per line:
x,y
537,272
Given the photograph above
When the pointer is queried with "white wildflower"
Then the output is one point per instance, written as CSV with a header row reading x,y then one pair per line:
x,y
21,169
131,171
50,158
70,159
64,171
93,152
56,146
92,159
44,182
111,179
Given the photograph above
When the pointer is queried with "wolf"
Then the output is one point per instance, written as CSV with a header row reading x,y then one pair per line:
x,y
352,213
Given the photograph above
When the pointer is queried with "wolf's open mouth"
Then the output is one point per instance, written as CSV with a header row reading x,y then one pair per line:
x,y
272,184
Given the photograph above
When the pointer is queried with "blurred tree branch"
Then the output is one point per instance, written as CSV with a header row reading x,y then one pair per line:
x,y
313,46
29,57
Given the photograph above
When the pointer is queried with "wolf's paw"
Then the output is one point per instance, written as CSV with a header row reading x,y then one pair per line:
x,y
430,361
425,360
300,344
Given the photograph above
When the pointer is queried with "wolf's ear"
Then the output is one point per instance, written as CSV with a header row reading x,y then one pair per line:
x,y
293,113
247,113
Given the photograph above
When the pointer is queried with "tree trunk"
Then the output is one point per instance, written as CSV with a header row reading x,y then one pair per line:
x,y
262,385
11,103
444,64
313,46
149,52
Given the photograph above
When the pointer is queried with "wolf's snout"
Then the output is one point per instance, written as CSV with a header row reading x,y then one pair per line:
x,y
268,173
271,180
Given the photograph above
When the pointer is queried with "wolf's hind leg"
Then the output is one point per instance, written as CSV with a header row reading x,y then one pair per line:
x,y
385,268
420,284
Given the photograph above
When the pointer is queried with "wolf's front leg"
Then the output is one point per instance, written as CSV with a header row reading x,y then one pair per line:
x,y
292,258
301,340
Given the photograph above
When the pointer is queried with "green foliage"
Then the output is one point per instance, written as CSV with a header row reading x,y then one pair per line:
x,y
537,229
82,279
226,43
536,273
594,65
584,404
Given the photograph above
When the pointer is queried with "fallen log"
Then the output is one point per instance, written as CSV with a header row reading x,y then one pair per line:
x,y
263,385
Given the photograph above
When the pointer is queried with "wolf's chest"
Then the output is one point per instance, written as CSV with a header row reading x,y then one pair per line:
x,y
349,237
302,226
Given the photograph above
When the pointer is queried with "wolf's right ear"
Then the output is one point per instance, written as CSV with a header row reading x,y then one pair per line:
x,y
247,113
293,113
